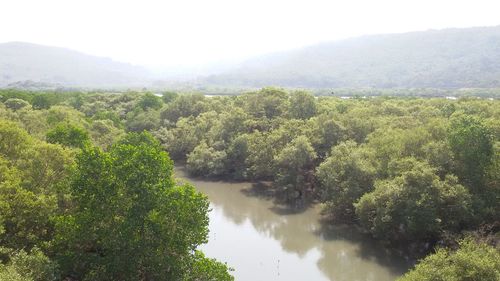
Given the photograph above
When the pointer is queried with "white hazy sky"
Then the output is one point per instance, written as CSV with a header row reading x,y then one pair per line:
x,y
193,32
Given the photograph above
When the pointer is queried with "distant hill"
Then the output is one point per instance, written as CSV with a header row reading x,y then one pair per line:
x,y
449,58
21,62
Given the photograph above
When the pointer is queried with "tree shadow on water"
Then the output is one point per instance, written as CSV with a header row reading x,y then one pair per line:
x,y
396,261
281,205
345,253
262,190
340,252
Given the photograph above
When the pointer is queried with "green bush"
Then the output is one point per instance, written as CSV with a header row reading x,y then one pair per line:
x,y
471,262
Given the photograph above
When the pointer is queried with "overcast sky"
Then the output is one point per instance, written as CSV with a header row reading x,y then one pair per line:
x,y
202,31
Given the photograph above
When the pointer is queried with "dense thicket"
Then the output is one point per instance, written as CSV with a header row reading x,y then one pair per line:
x,y
472,261
82,199
405,170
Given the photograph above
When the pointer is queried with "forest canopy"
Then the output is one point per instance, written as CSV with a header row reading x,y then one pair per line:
x,y
69,209
95,172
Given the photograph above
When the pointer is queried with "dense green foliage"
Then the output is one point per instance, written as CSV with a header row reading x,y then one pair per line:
x,y
416,204
33,266
130,221
405,170
69,135
345,176
68,208
471,262
471,143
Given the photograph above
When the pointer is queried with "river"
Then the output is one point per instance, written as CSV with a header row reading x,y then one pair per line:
x,y
265,242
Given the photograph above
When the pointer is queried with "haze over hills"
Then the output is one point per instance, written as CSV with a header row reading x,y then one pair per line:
x,y
449,58
64,67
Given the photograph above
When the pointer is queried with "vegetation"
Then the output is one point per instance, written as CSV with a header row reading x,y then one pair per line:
x,y
409,171
472,261
24,266
130,221
70,209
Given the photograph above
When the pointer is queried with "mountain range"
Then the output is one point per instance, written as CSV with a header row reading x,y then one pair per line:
x,y
448,58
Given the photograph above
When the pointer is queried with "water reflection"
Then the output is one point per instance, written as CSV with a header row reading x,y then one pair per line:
x,y
264,242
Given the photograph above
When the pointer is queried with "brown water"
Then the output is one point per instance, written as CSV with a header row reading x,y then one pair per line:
x,y
264,242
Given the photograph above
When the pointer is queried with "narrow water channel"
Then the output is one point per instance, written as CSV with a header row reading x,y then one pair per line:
x,y
264,242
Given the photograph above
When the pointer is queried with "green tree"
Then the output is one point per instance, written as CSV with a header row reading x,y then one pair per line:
x,y
139,120
33,266
236,155
186,135
473,261
149,101
266,103
33,121
295,164
24,215
68,135
232,124
324,132
261,150
344,177
415,205
64,114
33,175
302,105
130,221
13,140
168,96
184,105
440,156
471,143
16,104
46,167
104,133
206,161
205,269
41,101
389,144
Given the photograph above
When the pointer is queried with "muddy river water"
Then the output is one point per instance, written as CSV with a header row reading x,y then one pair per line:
x,y
263,241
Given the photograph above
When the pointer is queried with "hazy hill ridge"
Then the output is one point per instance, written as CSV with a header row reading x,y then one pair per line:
x,y
43,64
449,58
